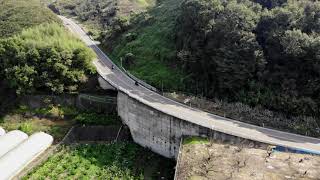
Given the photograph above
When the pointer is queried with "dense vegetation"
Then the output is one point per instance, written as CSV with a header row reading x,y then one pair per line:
x,y
45,58
101,15
146,46
16,15
241,51
216,44
137,32
110,161
258,52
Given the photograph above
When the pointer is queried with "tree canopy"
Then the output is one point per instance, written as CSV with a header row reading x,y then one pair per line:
x,y
45,57
217,44
267,55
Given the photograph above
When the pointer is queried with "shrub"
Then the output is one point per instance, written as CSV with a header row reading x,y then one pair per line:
x,y
97,119
46,57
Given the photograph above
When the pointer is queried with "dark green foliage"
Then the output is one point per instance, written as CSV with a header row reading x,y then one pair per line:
x,y
290,39
47,58
217,44
15,15
97,119
241,52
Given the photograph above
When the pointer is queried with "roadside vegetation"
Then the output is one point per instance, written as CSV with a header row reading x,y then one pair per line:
x,y
100,15
259,53
146,46
138,33
122,160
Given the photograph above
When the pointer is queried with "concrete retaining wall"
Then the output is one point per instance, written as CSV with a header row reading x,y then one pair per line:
x,y
97,134
161,132
104,84
99,104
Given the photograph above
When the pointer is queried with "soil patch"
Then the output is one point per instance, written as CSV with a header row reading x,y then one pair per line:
x,y
210,160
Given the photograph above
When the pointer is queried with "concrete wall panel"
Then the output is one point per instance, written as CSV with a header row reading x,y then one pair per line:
x,y
158,131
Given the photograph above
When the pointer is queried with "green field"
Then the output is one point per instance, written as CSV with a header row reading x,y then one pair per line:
x,y
116,161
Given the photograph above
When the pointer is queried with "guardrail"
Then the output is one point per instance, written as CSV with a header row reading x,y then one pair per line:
x,y
146,85
105,99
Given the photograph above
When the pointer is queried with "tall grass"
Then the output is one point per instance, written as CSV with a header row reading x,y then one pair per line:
x,y
15,15
50,34
154,46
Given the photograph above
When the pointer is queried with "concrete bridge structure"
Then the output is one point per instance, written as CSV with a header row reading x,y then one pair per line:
x,y
158,123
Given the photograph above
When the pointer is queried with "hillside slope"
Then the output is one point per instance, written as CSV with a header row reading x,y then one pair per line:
x,y
147,46
99,15
16,15
139,32
264,54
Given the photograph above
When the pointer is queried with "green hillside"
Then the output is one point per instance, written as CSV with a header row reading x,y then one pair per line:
x,y
263,53
16,15
147,48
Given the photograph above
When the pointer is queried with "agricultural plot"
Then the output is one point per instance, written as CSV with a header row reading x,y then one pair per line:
x,y
104,161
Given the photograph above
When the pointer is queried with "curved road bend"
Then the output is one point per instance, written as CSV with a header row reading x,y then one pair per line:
x,y
123,83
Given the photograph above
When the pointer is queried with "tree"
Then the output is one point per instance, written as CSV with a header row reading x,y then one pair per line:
x,y
45,58
219,45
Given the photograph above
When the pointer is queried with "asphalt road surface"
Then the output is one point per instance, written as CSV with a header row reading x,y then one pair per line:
x,y
123,83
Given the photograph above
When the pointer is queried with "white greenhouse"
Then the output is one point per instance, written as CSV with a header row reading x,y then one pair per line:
x,y
19,157
10,140
2,131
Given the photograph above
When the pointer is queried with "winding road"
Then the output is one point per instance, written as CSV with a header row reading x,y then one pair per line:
x,y
125,84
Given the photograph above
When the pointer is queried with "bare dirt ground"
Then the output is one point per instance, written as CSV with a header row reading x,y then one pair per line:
x,y
214,161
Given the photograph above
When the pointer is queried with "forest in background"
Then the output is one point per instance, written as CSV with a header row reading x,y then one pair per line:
x,y
245,52
260,52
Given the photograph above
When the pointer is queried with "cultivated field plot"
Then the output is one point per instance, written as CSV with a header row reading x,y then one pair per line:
x,y
123,160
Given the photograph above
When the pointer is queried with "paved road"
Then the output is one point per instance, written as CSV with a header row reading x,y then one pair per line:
x,y
123,83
